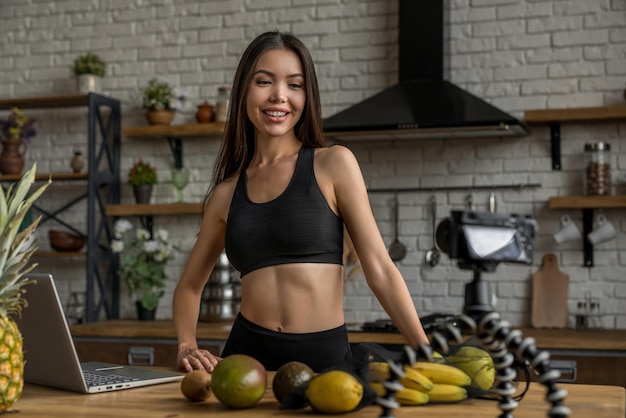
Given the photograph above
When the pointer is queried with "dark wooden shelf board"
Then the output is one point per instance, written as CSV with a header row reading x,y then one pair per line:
x,y
46,176
587,202
154,209
73,100
173,131
581,114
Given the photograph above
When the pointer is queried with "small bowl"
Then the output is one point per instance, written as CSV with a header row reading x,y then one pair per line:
x,y
65,241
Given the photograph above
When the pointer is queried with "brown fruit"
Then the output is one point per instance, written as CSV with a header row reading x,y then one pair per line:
x,y
239,381
289,377
196,385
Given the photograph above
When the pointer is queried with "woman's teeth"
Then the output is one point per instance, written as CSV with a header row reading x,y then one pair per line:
x,y
275,114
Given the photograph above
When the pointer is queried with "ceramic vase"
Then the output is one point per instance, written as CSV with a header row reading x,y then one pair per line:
x,y
143,193
77,162
205,113
159,117
12,157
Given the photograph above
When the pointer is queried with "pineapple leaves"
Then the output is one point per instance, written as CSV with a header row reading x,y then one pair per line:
x,y
17,247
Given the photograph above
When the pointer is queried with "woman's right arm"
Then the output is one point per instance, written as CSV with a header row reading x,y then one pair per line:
x,y
202,258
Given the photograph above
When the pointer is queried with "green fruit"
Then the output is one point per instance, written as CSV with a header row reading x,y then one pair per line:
x,y
477,364
438,358
239,381
334,392
196,385
289,377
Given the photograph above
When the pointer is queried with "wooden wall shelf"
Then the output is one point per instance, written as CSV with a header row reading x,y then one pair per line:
x,y
174,131
174,135
554,117
46,176
581,114
587,202
74,100
134,209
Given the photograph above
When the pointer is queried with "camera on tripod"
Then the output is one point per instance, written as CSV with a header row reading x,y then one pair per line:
x,y
481,240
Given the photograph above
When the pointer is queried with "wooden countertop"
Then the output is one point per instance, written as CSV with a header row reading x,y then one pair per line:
x,y
166,400
545,338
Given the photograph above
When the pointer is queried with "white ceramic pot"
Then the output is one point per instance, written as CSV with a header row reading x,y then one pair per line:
x,y
88,83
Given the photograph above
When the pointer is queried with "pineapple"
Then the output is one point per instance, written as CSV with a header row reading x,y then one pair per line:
x,y
16,249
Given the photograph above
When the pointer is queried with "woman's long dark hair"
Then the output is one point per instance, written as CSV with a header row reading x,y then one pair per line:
x,y
237,147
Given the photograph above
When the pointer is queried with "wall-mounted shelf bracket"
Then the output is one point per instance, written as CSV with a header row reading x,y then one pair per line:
x,y
587,228
176,145
555,141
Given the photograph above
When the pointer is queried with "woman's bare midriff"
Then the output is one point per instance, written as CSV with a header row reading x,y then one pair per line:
x,y
294,298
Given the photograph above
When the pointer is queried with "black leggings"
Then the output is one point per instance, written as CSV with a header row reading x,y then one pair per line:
x,y
318,350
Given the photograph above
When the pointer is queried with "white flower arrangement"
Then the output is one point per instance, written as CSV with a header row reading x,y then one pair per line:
x,y
143,261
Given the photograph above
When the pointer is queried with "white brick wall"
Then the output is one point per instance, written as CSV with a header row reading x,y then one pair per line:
x,y
516,54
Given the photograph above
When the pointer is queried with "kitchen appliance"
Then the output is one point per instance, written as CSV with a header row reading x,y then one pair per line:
x,y
422,103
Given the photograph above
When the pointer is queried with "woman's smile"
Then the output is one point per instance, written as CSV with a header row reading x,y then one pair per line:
x,y
276,94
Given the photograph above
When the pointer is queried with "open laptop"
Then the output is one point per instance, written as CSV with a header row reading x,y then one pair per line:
x,y
50,355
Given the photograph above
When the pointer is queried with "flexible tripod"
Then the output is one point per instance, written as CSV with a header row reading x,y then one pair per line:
x,y
494,335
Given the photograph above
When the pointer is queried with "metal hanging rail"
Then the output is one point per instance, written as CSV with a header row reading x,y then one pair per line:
x,y
519,186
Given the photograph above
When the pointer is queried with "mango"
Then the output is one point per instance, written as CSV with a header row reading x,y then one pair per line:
x,y
239,381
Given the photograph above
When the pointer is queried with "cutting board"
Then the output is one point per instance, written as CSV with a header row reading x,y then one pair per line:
x,y
549,305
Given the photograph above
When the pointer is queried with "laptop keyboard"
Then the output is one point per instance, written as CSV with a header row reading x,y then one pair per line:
x,y
99,379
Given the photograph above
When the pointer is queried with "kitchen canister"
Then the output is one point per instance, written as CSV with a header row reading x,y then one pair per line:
x,y
223,100
597,169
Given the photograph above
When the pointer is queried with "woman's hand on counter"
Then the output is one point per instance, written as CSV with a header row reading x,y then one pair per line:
x,y
196,358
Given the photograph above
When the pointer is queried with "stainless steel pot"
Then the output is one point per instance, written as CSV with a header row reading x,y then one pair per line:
x,y
220,276
228,291
213,310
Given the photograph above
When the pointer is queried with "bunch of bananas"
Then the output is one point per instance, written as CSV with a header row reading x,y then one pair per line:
x,y
424,382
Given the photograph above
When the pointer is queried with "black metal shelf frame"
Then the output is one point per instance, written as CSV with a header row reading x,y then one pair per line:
x,y
103,178
103,188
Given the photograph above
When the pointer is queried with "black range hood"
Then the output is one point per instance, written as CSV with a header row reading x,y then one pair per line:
x,y
422,104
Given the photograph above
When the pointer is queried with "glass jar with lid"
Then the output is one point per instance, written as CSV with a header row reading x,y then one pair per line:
x,y
223,100
597,169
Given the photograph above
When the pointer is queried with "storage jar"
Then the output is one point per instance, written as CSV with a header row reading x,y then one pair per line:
x,y
223,100
597,169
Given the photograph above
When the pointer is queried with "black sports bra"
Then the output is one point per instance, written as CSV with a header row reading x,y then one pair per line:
x,y
296,227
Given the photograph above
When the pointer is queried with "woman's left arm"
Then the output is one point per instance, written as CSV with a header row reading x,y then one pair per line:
x,y
381,273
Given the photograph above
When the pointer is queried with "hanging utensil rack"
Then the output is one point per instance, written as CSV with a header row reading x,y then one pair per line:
x,y
519,186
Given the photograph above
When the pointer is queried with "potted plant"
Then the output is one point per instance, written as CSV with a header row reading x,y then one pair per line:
x,y
142,263
142,176
89,69
15,131
161,98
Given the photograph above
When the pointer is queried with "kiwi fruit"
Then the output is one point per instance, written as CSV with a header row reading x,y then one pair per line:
x,y
196,385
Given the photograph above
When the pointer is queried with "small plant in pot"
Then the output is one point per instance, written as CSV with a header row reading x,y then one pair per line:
x,y
89,69
161,99
142,263
142,176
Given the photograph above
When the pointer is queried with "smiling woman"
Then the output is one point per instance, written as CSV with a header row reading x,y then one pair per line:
x,y
278,203
276,96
